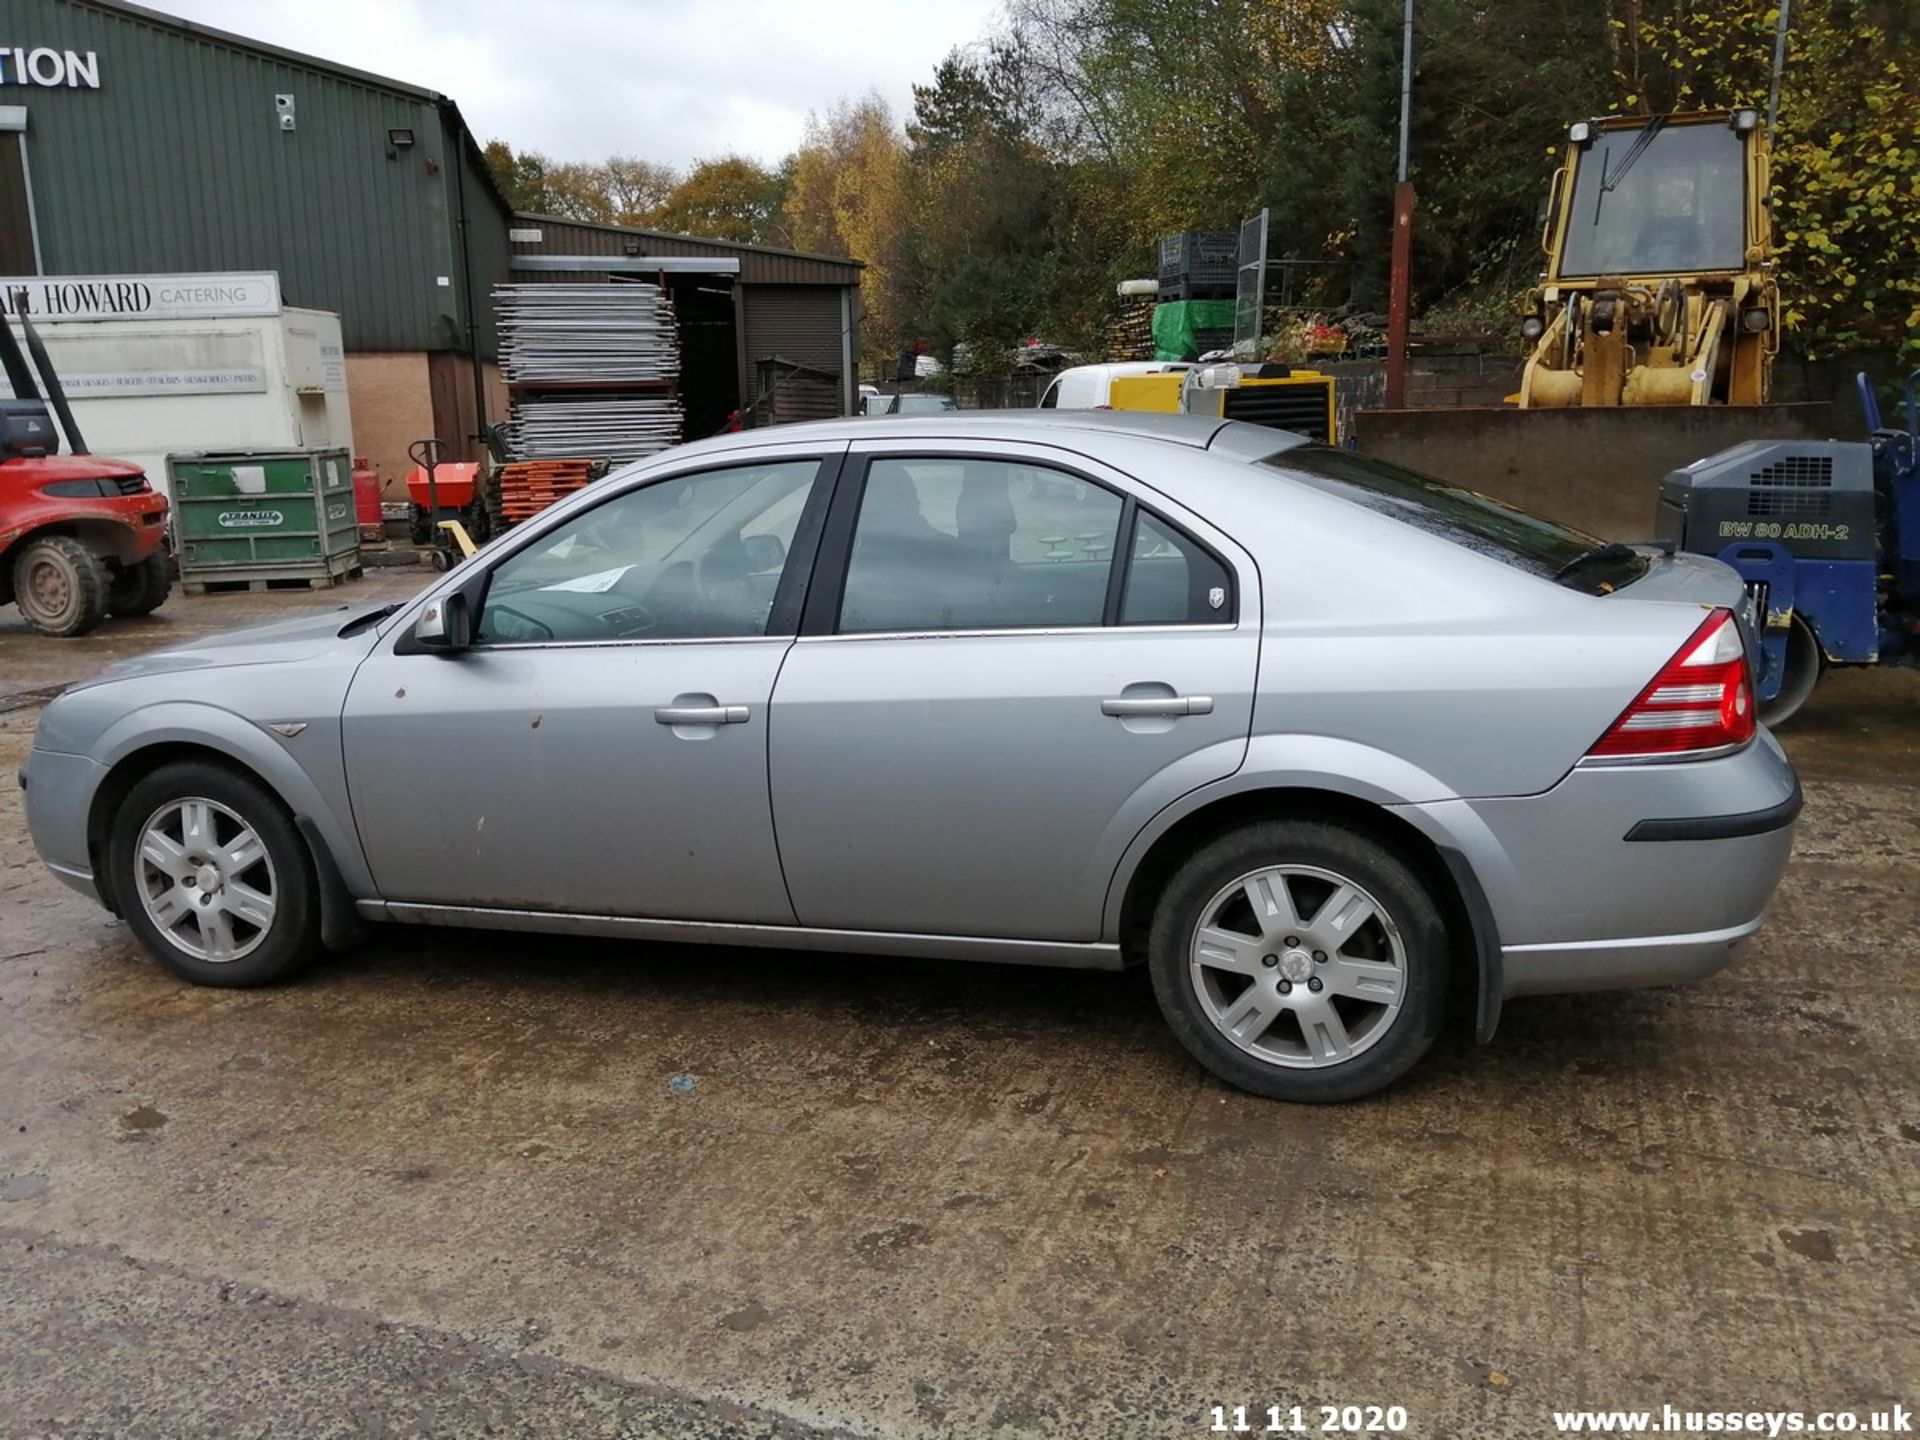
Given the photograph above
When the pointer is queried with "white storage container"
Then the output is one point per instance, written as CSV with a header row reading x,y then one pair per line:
x,y
157,365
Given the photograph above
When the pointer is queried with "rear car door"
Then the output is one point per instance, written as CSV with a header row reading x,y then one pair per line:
x,y
602,746
1009,661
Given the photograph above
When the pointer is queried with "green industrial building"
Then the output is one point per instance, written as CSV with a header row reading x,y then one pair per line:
x,y
133,142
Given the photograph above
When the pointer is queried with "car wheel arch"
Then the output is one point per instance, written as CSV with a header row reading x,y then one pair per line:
x,y
131,763
1475,946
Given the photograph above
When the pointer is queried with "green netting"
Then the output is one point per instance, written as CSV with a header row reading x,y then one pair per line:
x,y
1178,327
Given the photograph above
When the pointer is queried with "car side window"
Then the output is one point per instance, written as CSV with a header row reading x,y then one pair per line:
x,y
692,557
978,544
1172,579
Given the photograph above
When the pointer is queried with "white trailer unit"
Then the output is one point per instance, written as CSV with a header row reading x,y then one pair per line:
x,y
157,365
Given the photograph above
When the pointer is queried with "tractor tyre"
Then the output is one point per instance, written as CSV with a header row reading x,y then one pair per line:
x,y
493,503
60,585
479,524
140,589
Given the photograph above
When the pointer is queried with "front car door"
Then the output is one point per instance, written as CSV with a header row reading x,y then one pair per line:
x,y
1008,665
601,748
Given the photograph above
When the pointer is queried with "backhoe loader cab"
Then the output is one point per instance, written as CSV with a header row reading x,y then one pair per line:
x,y
1659,285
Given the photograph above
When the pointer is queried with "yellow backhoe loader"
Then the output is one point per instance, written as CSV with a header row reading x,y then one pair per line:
x,y
1659,287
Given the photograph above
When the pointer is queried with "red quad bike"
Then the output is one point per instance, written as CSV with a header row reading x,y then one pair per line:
x,y
81,537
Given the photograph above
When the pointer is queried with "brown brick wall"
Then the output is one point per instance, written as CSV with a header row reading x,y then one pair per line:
x,y
392,407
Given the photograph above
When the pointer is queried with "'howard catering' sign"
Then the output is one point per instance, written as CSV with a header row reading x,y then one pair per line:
x,y
140,297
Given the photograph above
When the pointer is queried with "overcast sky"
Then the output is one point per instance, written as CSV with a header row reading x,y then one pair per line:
x,y
669,80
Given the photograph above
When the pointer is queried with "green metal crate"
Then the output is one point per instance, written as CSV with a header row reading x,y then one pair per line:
x,y
261,515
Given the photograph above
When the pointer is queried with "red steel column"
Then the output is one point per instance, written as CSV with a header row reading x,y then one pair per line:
x,y
1398,301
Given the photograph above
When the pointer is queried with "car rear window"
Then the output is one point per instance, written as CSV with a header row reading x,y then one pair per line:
x,y
1469,519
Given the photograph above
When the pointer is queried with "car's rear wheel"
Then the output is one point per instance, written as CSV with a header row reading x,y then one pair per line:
x,y
140,589
60,585
1301,960
212,876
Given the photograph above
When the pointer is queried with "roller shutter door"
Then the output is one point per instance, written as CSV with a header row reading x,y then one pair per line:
x,y
799,324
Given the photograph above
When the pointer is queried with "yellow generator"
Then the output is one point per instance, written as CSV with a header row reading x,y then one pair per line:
x,y
1278,395
1659,287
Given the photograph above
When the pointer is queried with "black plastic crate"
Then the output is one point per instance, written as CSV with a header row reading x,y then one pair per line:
x,y
1201,257
1172,290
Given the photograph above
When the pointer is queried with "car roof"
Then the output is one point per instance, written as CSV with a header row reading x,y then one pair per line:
x,y
1036,426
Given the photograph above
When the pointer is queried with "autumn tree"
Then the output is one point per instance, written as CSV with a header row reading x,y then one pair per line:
x,y
638,189
1846,160
1006,242
568,190
849,196
731,198
1194,114
521,175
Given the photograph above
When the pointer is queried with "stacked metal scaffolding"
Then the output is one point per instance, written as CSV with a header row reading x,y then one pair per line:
x,y
593,369
593,426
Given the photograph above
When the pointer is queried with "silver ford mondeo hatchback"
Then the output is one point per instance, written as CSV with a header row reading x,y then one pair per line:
x,y
1316,739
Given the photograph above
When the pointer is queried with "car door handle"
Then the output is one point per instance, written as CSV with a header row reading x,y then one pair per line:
x,y
701,714
1127,707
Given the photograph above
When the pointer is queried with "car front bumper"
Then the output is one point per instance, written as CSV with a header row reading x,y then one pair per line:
x,y
1626,876
58,794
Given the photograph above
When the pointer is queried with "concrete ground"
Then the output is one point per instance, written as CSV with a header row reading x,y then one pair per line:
x,y
454,1184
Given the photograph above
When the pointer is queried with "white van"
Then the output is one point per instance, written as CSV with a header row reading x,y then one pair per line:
x,y
1090,387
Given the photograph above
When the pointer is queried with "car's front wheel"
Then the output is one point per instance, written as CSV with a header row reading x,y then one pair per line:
x,y
212,876
1300,959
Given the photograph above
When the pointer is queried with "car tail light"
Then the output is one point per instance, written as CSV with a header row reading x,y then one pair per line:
x,y
1702,699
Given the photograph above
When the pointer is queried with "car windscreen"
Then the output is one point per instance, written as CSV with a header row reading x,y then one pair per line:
x,y
917,404
1466,518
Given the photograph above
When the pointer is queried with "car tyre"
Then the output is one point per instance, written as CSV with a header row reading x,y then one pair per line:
x,y
60,585
140,589
212,876
1346,1009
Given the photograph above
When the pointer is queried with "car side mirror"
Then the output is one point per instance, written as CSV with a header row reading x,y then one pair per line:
x,y
446,625
764,553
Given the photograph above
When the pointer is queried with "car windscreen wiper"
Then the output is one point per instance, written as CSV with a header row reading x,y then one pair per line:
x,y
1599,554
372,617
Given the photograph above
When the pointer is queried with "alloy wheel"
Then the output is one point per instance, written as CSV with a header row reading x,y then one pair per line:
x,y
1298,966
205,879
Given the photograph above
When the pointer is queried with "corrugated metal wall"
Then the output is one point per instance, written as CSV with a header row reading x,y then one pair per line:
x,y
178,162
758,265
